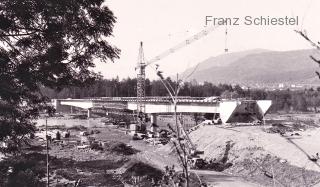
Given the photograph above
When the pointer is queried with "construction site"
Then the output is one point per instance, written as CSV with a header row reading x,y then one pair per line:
x,y
97,93
172,140
108,151
154,141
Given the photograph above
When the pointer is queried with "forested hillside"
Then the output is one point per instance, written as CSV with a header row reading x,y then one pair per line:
x,y
283,100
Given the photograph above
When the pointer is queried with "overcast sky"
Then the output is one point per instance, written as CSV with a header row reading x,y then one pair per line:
x,y
162,24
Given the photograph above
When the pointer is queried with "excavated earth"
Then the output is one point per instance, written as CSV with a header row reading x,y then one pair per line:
x,y
267,155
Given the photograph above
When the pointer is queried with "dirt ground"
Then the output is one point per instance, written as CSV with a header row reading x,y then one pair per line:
x,y
260,155
156,156
95,167
263,157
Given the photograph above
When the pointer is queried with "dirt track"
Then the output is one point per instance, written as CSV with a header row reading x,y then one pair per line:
x,y
219,179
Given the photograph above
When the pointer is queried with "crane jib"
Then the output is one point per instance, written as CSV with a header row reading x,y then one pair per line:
x,y
182,44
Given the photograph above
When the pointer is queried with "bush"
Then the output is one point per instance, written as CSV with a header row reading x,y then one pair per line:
x,y
123,148
58,136
146,172
26,178
23,170
96,146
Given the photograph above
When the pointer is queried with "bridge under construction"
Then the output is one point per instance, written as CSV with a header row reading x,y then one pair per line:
x,y
229,110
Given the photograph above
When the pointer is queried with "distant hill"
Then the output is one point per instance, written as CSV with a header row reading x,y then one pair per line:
x,y
258,66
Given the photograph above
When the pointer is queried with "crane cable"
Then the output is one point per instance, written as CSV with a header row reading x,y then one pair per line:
x,y
226,41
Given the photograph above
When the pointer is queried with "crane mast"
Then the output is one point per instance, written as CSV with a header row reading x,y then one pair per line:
x,y
141,77
142,64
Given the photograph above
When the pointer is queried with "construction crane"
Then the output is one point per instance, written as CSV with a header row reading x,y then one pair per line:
x,y
190,149
141,77
142,64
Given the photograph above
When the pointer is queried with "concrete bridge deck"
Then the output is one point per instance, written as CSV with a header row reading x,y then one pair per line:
x,y
229,110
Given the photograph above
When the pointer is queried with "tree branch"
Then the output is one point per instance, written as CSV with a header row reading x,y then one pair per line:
x,y
305,36
18,34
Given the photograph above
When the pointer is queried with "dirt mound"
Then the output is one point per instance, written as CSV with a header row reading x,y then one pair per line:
x,y
99,164
79,116
222,164
252,151
283,128
78,128
122,148
144,172
269,170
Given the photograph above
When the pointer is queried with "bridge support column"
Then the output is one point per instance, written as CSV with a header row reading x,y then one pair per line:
x,y
153,118
56,104
89,113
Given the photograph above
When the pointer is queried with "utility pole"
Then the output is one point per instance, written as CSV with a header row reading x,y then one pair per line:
x,y
273,177
47,147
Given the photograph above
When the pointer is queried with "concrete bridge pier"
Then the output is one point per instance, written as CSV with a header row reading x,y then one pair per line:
x,y
153,118
89,113
56,104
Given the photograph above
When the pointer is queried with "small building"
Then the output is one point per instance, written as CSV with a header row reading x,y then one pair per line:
x,y
133,128
84,133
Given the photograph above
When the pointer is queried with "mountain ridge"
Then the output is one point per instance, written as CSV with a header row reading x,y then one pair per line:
x,y
258,67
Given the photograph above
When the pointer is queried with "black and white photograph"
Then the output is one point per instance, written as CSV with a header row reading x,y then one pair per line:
x,y
159,93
